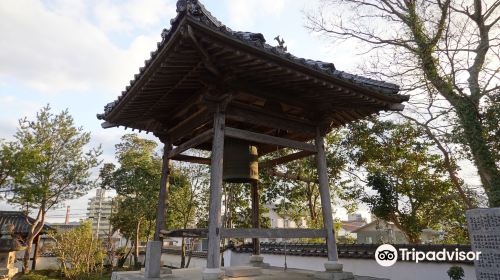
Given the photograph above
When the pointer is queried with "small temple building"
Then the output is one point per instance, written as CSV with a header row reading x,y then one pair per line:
x,y
229,92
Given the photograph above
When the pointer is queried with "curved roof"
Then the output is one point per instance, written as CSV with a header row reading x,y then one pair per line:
x,y
21,222
195,48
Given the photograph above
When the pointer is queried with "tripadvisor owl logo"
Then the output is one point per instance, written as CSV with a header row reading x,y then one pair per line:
x,y
386,255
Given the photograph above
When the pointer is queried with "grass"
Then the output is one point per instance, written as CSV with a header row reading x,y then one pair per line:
x,y
52,275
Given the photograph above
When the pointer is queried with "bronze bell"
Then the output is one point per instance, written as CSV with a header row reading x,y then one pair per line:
x,y
240,163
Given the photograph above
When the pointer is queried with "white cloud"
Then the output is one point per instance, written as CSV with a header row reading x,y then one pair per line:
x,y
132,14
52,52
243,13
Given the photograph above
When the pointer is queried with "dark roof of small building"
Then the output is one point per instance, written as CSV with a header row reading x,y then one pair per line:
x,y
21,222
352,225
65,227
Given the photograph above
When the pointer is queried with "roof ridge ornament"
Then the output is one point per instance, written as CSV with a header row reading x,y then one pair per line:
x,y
281,43
187,5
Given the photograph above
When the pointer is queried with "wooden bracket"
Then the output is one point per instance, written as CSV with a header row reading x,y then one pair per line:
x,y
206,57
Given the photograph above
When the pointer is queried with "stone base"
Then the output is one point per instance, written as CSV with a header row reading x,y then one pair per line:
x,y
258,261
212,274
139,275
153,257
326,275
128,275
333,266
242,271
256,258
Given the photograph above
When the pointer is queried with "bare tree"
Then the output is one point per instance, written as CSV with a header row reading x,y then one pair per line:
x,y
446,55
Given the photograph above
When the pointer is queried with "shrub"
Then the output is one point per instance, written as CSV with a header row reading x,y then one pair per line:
x,y
78,253
33,276
456,273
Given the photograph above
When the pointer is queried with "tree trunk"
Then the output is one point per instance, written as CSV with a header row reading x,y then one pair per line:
x,y
27,254
310,204
183,253
36,252
122,260
136,244
481,153
193,243
35,229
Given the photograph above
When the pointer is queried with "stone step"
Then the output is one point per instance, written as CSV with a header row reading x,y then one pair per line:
x,y
242,271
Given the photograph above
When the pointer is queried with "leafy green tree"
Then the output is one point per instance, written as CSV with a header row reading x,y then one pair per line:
x,y
297,180
183,204
409,183
238,207
137,183
52,165
6,162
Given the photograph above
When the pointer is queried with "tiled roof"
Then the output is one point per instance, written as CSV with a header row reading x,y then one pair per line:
x,y
20,221
195,10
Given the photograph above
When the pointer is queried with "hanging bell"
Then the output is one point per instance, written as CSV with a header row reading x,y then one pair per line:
x,y
240,163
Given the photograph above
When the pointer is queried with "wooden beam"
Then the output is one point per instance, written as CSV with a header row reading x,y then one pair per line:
x,y
163,195
276,173
255,216
261,92
250,233
214,214
258,116
191,143
273,233
106,125
324,191
396,107
192,159
187,126
266,139
190,232
209,64
285,159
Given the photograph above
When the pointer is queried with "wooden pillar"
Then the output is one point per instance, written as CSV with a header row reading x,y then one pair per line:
x,y
255,216
164,186
214,218
324,190
36,253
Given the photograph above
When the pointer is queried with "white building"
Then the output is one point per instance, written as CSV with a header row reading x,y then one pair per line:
x,y
278,221
99,211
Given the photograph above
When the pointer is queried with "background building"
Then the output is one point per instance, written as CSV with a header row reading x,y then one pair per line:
x,y
99,212
380,231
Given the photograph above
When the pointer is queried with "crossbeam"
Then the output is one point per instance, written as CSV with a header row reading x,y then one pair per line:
x,y
192,143
285,159
251,114
273,233
266,139
273,172
250,233
192,159
188,125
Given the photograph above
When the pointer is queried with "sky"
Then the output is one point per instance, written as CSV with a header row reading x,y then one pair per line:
x,y
81,54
